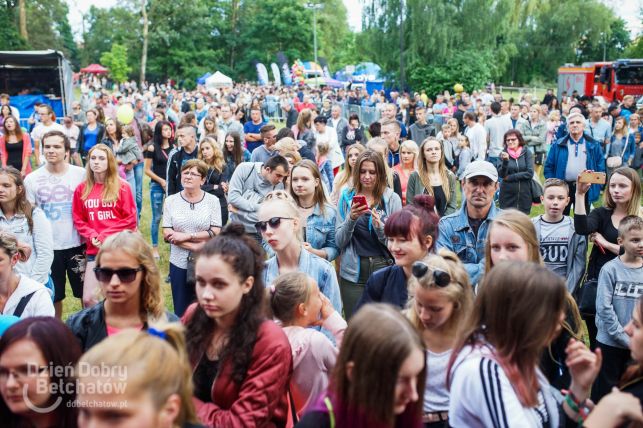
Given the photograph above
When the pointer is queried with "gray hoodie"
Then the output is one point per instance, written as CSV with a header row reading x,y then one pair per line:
x,y
246,192
619,287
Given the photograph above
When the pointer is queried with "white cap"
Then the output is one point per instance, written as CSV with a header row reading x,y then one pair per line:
x,y
481,168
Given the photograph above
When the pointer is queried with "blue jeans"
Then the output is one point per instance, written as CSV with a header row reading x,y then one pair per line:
x,y
138,176
182,294
157,196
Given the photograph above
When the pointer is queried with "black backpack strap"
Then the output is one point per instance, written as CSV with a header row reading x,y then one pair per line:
x,y
22,304
293,410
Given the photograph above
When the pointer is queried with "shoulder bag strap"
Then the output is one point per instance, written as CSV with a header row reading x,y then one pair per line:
x,y
22,304
293,410
331,413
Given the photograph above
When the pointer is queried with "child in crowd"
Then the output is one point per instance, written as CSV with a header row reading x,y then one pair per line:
x,y
296,301
325,166
637,161
465,156
127,154
620,283
563,250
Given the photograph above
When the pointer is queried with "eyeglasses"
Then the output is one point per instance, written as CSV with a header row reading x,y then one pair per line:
x,y
20,373
440,277
125,275
511,139
262,226
192,174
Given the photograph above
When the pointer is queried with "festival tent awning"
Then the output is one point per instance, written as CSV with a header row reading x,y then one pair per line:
x,y
324,81
94,69
218,80
201,80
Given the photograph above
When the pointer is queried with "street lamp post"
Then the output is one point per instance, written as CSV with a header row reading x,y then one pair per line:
x,y
314,7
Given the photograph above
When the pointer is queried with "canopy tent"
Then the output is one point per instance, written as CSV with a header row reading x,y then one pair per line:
x,y
366,71
201,80
324,81
94,69
311,68
218,80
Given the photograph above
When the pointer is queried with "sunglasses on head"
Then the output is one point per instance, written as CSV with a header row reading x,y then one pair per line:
x,y
274,223
125,275
440,277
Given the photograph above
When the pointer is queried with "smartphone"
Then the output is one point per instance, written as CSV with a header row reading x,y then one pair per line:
x,y
360,200
592,177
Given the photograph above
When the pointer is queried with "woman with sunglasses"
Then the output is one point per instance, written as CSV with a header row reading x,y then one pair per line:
x,y
103,205
362,213
130,284
411,233
190,218
242,362
315,212
280,227
441,299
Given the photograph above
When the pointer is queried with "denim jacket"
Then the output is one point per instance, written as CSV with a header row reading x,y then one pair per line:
x,y
317,268
455,234
320,230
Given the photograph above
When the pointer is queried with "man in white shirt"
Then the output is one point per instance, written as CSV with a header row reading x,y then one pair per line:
x,y
323,134
52,189
47,123
337,121
495,127
477,136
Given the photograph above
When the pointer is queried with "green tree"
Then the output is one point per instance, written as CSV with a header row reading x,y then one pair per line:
x,y
116,61
610,45
9,35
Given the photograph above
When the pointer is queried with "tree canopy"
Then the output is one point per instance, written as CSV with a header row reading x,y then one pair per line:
x,y
439,42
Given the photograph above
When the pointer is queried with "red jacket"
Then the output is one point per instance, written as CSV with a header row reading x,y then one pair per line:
x,y
261,400
94,218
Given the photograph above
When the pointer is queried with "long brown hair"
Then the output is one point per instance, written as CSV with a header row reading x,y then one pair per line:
x,y
134,245
505,316
423,170
21,204
365,399
319,195
345,175
634,205
112,183
17,132
380,169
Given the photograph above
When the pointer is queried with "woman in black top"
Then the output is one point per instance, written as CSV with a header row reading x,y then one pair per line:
x,y
156,156
516,170
233,154
622,198
215,184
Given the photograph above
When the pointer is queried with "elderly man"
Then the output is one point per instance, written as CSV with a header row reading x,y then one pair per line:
x,y
337,121
465,231
573,154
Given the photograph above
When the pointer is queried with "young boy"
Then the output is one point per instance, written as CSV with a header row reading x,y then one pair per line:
x,y
562,250
620,283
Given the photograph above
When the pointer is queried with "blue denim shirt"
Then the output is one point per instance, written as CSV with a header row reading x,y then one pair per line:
x,y
320,230
455,234
317,268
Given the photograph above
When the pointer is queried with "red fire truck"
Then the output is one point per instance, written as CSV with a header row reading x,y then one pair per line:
x,y
610,80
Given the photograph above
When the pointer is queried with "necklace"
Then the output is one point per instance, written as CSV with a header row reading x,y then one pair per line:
x,y
307,208
192,204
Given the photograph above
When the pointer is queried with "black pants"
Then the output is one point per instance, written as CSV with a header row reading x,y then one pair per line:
x,y
572,193
614,363
592,331
68,263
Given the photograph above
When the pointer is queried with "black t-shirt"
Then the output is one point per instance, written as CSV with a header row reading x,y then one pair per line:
x,y
159,160
440,200
475,224
203,378
599,220
365,238
14,154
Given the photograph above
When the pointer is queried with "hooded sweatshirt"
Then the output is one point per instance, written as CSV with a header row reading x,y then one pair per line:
x,y
40,303
314,357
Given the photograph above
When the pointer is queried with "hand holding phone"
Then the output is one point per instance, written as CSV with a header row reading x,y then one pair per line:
x,y
360,200
359,206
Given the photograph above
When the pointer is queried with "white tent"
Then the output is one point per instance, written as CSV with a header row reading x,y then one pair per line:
x,y
218,80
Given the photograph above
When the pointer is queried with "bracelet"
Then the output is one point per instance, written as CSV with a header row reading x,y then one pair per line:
x,y
192,237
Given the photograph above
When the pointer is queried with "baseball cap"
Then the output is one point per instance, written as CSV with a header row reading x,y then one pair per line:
x,y
481,168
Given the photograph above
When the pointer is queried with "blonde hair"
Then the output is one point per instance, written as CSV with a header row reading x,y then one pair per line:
x,y
217,157
520,223
379,141
290,290
152,364
423,169
133,244
459,290
346,174
112,183
322,148
286,144
281,198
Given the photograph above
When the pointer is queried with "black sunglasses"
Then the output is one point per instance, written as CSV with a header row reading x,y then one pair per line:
x,y
440,277
274,223
125,275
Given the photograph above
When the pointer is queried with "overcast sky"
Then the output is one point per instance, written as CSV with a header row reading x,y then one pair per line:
x,y
627,9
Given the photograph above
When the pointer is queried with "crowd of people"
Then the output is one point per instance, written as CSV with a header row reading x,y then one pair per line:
x,y
324,272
